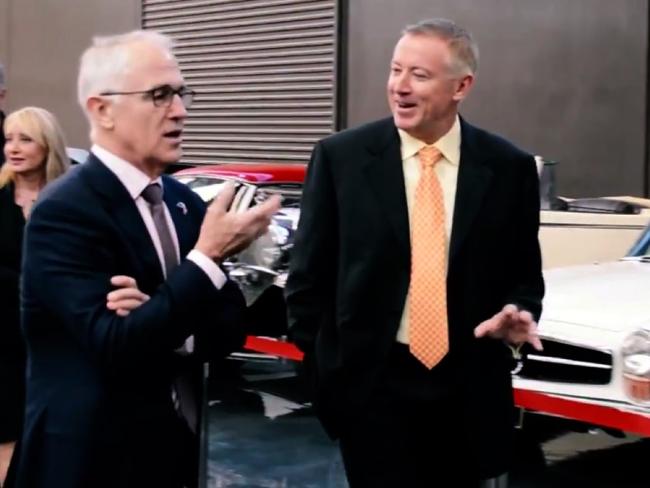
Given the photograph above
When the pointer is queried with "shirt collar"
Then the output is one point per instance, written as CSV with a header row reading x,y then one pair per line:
x,y
131,177
448,145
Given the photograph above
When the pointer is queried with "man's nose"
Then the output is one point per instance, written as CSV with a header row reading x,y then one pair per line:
x,y
177,108
401,83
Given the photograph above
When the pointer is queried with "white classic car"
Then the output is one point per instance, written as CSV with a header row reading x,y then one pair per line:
x,y
586,230
572,231
595,327
595,367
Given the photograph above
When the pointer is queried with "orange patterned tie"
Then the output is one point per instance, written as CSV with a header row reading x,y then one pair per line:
x,y
428,332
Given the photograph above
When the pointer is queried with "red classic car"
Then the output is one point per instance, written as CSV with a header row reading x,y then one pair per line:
x,y
599,229
572,231
260,270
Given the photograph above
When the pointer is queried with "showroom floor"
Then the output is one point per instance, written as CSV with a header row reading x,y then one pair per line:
x,y
262,434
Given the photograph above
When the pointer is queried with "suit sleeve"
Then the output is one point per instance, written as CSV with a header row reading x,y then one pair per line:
x,y
225,330
311,285
528,290
68,261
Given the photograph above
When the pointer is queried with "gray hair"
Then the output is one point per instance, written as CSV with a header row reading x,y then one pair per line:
x,y
461,43
2,77
103,64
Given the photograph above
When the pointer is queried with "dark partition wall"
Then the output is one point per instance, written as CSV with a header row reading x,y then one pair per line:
x,y
564,79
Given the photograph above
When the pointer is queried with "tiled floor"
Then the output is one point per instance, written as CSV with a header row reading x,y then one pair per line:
x,y
262,434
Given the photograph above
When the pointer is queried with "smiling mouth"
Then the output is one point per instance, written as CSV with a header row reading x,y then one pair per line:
x,y
405,105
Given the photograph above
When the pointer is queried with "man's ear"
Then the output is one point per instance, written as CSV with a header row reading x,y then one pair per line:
x,y
463,87
101,111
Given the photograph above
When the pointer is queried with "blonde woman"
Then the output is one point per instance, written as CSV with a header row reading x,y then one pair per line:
x,y
34,154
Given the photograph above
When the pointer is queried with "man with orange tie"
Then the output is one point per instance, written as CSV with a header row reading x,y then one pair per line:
x,y
416,273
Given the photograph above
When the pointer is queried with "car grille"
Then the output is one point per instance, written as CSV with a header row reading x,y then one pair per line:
x,y
568,363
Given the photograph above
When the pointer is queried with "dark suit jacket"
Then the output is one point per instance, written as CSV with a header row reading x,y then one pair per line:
x,y
99,410
350,267
12,348
2,137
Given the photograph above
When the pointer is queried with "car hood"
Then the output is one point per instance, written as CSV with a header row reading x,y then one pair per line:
x,y
610,296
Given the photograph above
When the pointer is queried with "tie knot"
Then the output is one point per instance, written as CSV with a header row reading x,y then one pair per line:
x,y
429,155
153,194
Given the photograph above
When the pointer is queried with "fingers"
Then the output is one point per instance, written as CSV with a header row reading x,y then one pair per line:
x,y
224,198
512,325
265,210
533,337
123,281
536,343
526,317
487,327
128,304
269,206
126,298
510,312
126,294
224,233
493,326
255,221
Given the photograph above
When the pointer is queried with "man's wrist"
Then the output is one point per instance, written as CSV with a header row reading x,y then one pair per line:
x,y
206,251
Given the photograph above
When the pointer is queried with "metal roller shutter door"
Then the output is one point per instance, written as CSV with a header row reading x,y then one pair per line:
x,y
264,72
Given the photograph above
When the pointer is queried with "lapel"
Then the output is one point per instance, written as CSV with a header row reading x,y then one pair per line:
x,y
474,178
119,205
384,173
179,210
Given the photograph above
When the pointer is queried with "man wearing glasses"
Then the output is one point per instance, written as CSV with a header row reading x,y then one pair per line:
x,y
122,291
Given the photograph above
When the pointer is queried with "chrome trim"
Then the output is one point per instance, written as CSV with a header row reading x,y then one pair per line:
x,y
605,350
568,362
592,226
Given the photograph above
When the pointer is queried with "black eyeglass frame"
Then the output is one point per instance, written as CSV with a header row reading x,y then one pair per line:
x,y
165,95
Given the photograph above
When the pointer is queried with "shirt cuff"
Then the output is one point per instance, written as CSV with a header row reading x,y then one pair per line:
x,y
209,267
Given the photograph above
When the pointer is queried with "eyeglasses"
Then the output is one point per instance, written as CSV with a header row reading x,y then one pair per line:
x,y
161,96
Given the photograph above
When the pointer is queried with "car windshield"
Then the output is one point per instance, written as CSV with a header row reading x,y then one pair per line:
x,y
206,188
642,245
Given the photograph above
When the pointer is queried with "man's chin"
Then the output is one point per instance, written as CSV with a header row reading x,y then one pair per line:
x,y
406,124
172,156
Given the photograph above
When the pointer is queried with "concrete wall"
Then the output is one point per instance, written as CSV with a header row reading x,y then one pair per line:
x,y
564,79
40,45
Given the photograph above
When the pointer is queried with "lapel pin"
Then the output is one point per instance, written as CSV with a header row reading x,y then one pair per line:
x,y
183,207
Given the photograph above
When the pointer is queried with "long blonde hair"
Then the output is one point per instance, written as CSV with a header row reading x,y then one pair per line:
x,y
41,126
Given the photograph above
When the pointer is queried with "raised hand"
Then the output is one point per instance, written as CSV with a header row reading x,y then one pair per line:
x,y
512,325
126,297
225,232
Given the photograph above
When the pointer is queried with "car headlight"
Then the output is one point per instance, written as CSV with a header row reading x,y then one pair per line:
x,y
636,366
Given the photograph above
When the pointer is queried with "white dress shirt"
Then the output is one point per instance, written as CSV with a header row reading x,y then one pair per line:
x,y
135,181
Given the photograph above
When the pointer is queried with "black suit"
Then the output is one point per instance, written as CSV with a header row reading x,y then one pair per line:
x,y
2,138
349,279
99,409
12,347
